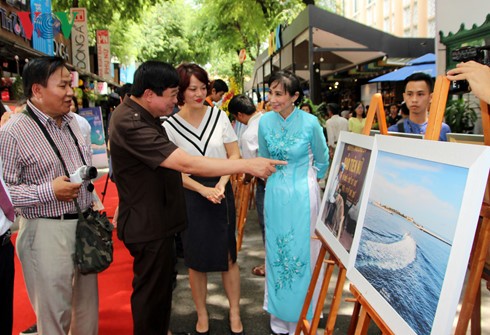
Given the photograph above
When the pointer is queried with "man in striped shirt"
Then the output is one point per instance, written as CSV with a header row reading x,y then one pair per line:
x,y
63,299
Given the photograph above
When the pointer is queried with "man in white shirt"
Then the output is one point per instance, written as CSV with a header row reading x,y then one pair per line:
x,y
335,124
243,108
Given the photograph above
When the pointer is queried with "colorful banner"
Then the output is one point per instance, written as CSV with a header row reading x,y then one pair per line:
x,y
79,39
99,148
42,19
104,54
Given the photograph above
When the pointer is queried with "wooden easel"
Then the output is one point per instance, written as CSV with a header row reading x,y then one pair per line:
x,y
363,312
470,309
332,262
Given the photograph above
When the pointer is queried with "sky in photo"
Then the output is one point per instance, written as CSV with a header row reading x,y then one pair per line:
x,y
431,193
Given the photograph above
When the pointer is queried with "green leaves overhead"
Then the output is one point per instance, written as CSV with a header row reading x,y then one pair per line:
x,y
207,32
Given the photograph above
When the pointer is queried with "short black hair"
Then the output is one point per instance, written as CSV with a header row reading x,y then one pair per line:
x,y
419,76
219,85
124,90
38,71
334,108
304,103
290,82
241,103
155,76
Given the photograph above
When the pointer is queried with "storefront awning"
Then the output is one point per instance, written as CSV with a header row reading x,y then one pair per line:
x,y
319,43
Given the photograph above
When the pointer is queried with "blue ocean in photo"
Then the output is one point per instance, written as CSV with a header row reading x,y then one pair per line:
x,y
404,264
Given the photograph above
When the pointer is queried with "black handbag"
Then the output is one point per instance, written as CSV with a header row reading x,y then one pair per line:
x,y
93,244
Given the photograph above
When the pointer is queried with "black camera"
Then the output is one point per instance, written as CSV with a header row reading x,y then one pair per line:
x,y
465,54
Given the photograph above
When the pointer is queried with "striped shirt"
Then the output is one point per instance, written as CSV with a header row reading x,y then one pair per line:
x,y
30,163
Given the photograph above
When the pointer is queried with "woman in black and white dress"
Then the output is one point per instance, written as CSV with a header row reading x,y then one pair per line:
x,y
209,240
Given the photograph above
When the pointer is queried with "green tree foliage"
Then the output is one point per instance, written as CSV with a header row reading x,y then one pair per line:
x,y
245,24
102,12
208,32
171,37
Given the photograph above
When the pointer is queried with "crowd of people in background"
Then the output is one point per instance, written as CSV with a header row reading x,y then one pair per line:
x,y
185,164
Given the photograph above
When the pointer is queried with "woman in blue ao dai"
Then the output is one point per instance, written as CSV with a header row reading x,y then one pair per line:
x,y
292,200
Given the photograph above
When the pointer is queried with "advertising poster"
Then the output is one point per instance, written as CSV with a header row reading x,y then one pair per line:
x,y
79,40
42,19
104,54
99,147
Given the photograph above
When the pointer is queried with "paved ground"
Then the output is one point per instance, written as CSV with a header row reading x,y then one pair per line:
x,y
254,318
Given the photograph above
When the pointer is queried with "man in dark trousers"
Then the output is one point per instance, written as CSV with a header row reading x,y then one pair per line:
x,y
147,169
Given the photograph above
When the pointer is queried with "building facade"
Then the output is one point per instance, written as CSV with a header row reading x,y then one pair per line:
x,y
402,18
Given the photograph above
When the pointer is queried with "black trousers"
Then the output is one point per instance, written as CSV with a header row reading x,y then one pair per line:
x,y
7,272
151,300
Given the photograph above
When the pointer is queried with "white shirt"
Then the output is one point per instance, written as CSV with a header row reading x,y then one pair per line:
x,y
249,141
4,222
85,128
207,139
334,126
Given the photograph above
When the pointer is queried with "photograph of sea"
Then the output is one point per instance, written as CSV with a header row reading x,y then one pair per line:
x,y
408,231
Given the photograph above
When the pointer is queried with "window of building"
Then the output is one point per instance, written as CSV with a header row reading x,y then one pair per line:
x,y
386,25
407,19
370,15
386,8
431,28
431,10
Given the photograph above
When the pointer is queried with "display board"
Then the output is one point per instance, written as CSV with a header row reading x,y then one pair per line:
x,y
99,148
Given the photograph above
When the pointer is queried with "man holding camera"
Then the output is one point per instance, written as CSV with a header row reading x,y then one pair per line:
x,y
64,300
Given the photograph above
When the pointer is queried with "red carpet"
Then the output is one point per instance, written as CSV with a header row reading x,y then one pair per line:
x,y
114,283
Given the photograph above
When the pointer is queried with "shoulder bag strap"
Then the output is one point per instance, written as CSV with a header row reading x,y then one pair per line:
x,y
57,151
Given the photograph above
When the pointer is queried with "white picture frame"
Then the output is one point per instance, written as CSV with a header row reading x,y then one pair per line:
x,y
336,229
410,256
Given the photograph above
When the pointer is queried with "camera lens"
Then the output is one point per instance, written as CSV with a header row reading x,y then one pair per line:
x,y
91,172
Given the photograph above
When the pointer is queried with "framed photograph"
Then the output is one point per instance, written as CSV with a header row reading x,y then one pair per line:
x,y
465,138
418,218
341,200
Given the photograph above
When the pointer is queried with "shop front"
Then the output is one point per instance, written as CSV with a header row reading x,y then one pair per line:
x,y
333,55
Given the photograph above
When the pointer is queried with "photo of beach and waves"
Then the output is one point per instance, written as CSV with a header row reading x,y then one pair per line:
x,y
409,225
